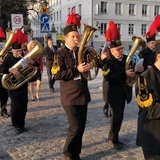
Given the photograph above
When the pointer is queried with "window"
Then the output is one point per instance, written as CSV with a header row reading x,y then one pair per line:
x,y
143,29
103,7
119,27
131,9
131,29
60,16
69,10
97,9
54,16
144,10
118,9
79,10
103,28
156,10
57,16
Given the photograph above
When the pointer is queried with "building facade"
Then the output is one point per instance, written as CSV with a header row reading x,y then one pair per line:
x,y
132,17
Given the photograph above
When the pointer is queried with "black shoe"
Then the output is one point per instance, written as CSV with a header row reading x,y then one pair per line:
x,y
118,145
18,130
52,90
76,157
6,115
24,129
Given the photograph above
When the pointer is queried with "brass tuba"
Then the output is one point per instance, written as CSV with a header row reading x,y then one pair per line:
x,y
7,45
137,43
10,82
91,58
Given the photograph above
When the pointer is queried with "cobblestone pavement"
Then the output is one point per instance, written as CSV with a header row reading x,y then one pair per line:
x,y
47,128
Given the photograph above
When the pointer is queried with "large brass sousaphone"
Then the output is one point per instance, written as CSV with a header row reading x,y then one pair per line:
x,y
91,58
10,82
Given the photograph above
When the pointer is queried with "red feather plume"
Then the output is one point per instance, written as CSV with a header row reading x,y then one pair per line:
x,y
112,32
74,18
19,37
154,27
2,34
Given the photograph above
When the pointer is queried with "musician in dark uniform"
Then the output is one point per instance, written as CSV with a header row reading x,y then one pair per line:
x,y
18,96
50,50
149,52
116,92
3,97
148,99
74,91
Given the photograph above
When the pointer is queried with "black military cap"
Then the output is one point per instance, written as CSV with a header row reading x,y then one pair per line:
x,y
70,28
16,46
115,43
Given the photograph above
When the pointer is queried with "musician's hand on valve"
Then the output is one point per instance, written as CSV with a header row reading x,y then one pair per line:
x,y
15,72
30,61
104,55
130,73
140,69
83,67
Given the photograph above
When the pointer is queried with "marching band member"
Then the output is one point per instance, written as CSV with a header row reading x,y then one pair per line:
x,y
74,90
3,91
148,53
19,96
148,99
3,96
115,89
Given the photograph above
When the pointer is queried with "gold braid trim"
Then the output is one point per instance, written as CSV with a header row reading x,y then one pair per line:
x,y
54,70
104,73
144,98
145,104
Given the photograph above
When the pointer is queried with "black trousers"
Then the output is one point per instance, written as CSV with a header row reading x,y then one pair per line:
x,y
76,116
150,155
19,101
3,98
117,111
51,79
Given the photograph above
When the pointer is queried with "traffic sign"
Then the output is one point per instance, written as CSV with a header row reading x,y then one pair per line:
x,y
17,20
44,9
45,28
44,18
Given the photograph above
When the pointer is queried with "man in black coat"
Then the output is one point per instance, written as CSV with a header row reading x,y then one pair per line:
x,y
115,89
148,53
18,96
74,91
148,99
50,50
3,96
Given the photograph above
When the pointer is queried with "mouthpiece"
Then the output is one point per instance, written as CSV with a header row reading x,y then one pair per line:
x,y
77,42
